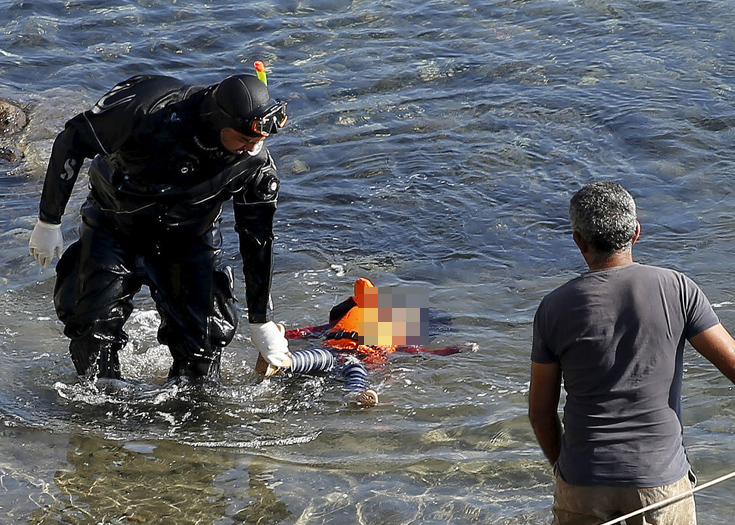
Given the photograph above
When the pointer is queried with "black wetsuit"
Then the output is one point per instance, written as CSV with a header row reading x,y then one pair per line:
x,y
157,184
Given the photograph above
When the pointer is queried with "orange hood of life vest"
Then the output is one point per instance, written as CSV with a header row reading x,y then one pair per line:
x,y
350,324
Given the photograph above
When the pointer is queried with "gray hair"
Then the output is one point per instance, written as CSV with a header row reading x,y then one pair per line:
x,y
604,214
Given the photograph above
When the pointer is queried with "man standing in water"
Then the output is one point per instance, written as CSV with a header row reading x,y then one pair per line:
x,y
167,155
616,336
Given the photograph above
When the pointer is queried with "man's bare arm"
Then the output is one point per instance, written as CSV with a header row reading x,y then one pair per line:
x,y
718,347
543,406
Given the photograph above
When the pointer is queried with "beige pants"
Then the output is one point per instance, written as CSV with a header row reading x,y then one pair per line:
x,y
579,505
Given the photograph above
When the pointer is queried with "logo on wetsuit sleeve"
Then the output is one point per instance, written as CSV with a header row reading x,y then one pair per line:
x,y
69,169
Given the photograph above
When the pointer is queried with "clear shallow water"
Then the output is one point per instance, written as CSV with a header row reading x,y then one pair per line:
x,y
431,143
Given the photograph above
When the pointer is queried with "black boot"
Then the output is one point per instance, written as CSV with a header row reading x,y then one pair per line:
x,y
96,359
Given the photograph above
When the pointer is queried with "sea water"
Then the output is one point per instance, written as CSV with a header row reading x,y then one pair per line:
x,y
430,143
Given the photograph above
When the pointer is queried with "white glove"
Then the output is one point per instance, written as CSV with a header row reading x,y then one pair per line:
x,y
269,341
46,241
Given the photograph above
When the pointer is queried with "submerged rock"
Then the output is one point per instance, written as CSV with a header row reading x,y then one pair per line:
x,y
12,118
10,153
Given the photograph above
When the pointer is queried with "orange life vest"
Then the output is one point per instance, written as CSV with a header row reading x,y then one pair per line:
x,y
345,334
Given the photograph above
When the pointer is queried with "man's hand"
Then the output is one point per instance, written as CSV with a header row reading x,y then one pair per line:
x,y
269,340
46,241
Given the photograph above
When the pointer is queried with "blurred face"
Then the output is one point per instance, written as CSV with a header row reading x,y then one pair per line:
x,y
235,142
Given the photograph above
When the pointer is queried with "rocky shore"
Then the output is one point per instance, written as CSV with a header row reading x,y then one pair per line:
x,y
12,120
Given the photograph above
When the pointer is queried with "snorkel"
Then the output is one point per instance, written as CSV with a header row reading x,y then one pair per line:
x,y
260,71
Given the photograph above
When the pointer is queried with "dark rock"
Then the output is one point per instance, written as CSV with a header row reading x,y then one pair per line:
x,y
12,118
10,154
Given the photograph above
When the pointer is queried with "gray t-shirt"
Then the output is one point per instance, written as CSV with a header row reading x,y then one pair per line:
x,y
618,336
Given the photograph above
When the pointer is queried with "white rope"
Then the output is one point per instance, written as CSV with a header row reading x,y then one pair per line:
x,y
672,499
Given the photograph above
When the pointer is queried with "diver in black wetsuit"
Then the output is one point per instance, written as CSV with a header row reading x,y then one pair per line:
x,y
166,156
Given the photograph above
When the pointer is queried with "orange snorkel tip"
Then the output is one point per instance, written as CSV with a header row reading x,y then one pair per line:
x,y
259,66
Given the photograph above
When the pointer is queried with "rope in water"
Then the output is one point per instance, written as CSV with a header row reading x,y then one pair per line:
x,y
670,500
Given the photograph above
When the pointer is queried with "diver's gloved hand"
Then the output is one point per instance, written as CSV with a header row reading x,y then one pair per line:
x,y
46,241
273,346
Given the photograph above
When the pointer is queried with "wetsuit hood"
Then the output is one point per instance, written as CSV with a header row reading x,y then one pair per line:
x,y
234,103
